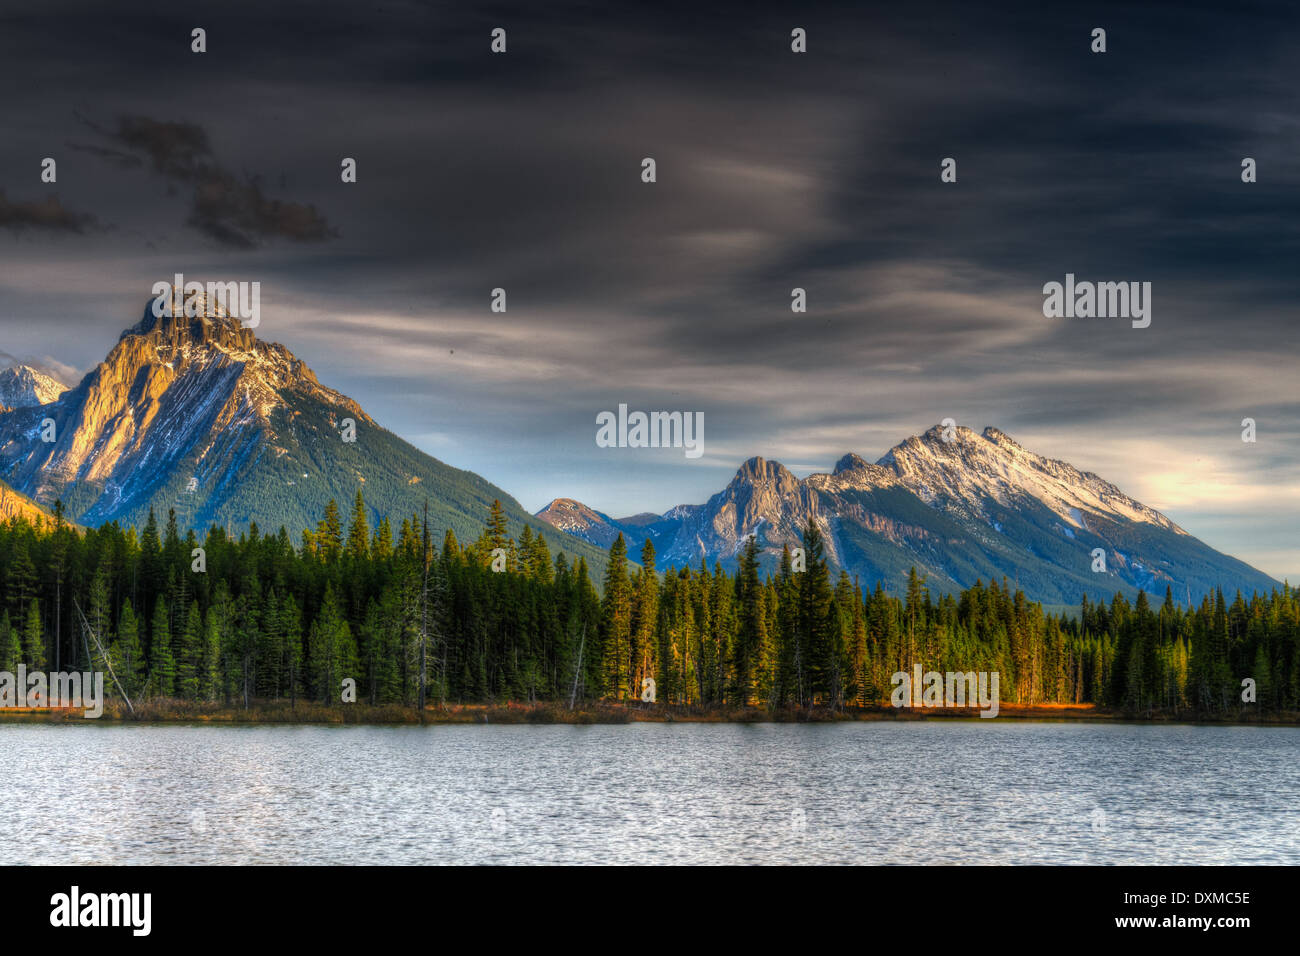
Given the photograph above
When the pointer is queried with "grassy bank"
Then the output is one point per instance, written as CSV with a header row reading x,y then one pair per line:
x,y
597,712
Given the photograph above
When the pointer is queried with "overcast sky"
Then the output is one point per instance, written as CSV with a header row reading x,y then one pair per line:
x,y
775,170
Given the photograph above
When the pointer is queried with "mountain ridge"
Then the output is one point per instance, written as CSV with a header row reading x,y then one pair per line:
x,y
960,506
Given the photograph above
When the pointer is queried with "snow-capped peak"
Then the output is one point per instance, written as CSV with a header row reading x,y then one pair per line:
x,y
968,469
23,386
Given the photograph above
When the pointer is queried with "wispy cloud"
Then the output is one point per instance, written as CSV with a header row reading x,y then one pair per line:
x,y
48,215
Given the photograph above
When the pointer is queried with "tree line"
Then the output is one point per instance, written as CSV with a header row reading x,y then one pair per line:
x,y
413,615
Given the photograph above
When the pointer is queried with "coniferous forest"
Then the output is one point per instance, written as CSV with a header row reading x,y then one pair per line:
x,y
265,618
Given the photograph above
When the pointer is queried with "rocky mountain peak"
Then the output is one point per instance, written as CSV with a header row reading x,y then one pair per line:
x,y
204,323
1000,438
972,470
850,462
569,507
574,517
759,471
24,386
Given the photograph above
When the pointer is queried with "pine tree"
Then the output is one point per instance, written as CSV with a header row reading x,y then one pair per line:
x,y
151,565
34,637
450,546
817,620
1264,685
358,530
291,637
790,652
331,650
751,633
126,652
381,547
162,665
616,622
11,646
21,576
187,647
497,526
328,539
210,682
641,626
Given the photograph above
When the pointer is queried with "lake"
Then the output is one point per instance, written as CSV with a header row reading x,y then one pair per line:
x,y
910,792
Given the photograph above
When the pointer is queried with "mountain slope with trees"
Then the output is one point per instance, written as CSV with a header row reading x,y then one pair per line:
x,y
196,414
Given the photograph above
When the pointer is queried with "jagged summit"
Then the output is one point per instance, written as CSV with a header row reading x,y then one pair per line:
x,y
758,470
850,462
23,386
998,437
195,392
212,338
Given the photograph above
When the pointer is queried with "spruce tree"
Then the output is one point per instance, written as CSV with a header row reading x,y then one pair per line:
x,y
188,651
497,527
126,652
816,619
34,637
328,539
11,645
641,627
616,622
162,664
210,683
751,632
358,530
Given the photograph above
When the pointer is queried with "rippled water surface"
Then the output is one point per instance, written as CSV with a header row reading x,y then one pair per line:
x,y
883,792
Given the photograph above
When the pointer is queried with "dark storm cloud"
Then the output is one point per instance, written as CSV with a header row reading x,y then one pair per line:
x,y
177,151
43,215
237,213
232,210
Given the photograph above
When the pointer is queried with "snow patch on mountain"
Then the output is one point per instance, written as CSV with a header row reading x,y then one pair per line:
x,y
23,386
972,470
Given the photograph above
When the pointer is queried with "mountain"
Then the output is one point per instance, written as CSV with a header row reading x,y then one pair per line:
x,y
24,386
14,505
575,518
198,414
977,506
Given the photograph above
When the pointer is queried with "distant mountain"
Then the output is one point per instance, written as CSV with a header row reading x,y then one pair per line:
x,y
577,519
24,386
200,415
978,506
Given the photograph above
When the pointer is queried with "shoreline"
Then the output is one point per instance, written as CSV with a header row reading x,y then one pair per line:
x,y
605,712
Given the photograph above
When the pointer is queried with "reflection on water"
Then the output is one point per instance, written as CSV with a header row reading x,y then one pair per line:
x,y
883,792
